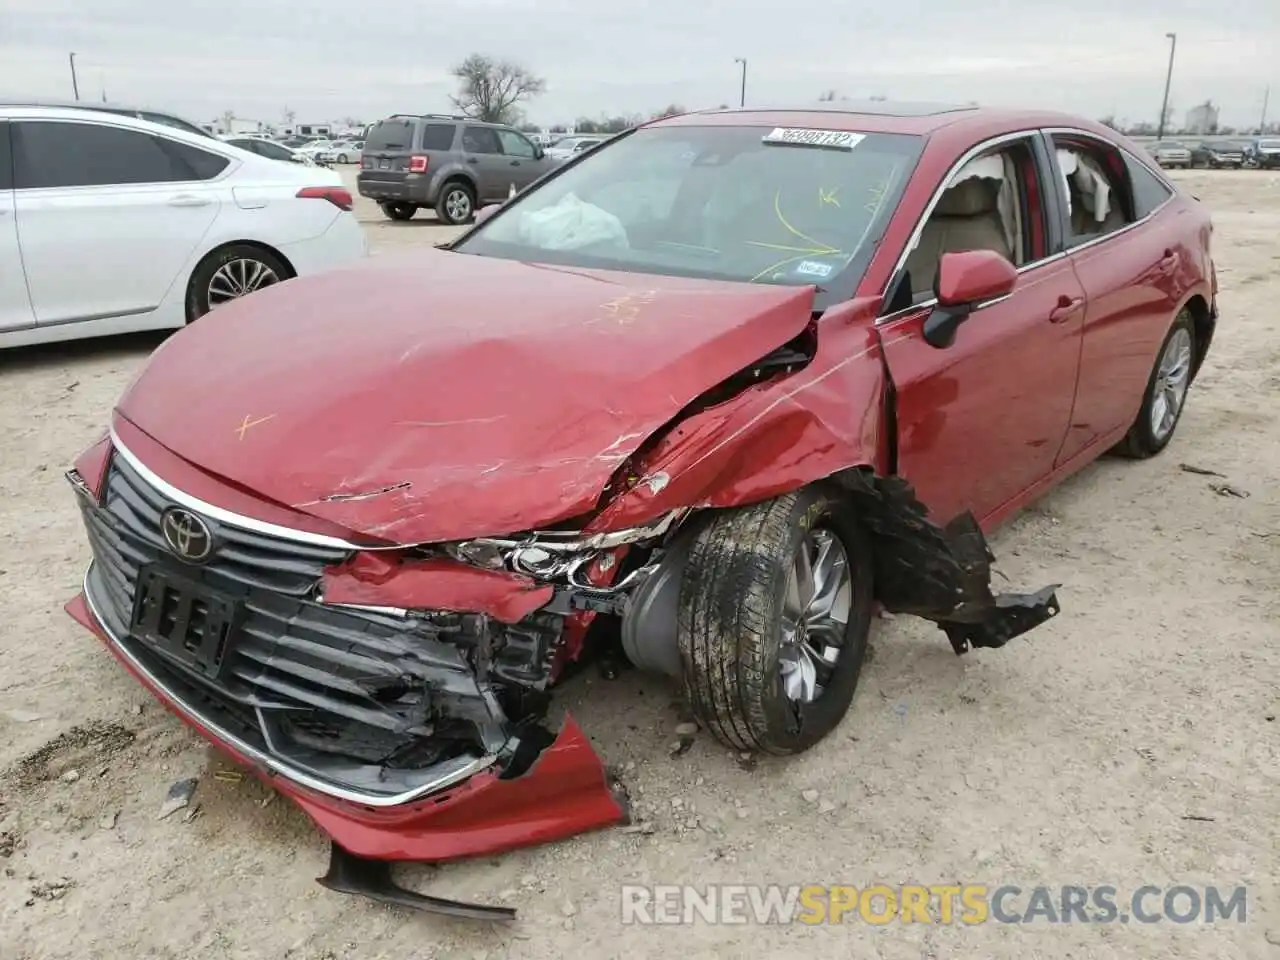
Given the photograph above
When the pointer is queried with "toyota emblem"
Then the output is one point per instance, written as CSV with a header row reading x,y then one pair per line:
x,y
187,535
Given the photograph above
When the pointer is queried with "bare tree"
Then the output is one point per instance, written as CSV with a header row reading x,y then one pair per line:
x,y
492,90
671,110
827,96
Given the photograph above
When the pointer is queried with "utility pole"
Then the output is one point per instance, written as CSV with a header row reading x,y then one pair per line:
x,y
1266,99
1168,78
74,86
742,100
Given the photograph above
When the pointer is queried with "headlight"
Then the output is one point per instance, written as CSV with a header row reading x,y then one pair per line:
x,y
550,555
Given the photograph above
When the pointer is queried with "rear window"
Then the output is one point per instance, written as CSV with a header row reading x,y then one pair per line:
x,y
437,136
390,135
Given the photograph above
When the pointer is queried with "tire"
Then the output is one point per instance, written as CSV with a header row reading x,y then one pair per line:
x,y
1143,439
456,203
399,210
340,158
216,278
732,616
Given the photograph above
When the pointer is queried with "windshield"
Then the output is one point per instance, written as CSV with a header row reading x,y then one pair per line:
x,y
715,202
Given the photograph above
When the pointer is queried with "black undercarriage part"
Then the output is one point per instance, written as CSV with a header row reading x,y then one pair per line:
x,y
361,877
941,574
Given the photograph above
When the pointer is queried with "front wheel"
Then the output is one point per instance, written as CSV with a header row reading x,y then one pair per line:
x,y
1166,394
774,614
229,274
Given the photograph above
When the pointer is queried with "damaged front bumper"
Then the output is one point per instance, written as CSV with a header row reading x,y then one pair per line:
x,y
405,737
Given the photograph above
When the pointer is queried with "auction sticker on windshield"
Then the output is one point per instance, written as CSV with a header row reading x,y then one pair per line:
x,y
832,139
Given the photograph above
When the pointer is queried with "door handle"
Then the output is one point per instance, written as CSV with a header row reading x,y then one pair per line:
x,y
1169,262
189,200
1067,308
473,159
515,163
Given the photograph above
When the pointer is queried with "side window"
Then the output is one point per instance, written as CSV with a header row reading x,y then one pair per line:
x,y
6,158
273,152
515,145
994,202
437,136
1096,179
1149,191
481,140
65,154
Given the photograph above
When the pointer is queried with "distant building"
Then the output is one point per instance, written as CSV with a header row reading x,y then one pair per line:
x,y
1202,119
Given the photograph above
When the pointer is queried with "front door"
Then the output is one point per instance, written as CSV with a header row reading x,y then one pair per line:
x,y
981,420
523,162
15,302
107,216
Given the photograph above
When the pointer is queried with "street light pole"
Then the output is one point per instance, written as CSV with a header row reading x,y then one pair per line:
x,y
742,100
1168,78
74,86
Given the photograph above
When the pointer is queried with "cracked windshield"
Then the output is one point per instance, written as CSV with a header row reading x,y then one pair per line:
x,y
734,203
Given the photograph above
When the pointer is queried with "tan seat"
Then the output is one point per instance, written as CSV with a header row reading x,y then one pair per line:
x,y
967,217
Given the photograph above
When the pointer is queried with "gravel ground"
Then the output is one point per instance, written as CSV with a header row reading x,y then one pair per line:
x,y
1076,755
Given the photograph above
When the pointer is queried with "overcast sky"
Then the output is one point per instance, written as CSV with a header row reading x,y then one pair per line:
x,y
328,59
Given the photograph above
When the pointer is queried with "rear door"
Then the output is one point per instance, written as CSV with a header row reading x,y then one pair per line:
x,y
483,155
389,147
980,421
524,164
15,303
107,215
1128,258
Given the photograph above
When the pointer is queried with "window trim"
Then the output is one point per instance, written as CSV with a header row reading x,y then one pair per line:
x,y
232,162
1068,247
1030,133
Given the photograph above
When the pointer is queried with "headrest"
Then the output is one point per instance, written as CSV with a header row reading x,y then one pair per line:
x,y
970,198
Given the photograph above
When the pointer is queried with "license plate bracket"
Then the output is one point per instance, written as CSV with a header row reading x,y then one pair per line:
x,y
184,620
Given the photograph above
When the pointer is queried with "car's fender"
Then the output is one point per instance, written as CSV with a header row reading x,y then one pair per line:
x,y
773,437
451,170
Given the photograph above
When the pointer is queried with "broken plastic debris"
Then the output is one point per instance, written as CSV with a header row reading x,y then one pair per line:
x,y
178,797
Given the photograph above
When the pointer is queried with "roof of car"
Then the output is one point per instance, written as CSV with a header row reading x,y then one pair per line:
x,y
88,105
878,116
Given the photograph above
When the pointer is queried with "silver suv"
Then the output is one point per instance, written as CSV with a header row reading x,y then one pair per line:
x,y
453,164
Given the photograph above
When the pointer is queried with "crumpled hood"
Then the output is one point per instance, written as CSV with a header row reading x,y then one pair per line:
x,y
440,396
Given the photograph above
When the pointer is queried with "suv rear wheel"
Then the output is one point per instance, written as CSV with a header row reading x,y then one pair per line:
x,y
399,211
456,204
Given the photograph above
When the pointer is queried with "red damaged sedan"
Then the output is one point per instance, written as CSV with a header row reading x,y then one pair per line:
x,y
695,402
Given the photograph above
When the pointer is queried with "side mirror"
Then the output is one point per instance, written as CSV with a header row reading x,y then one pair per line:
x,y
484,213
538,152
966,281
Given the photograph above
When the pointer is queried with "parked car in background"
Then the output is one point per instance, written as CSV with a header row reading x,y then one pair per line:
x,y
295,143
269,149
346,151
118,224
1171,153
570,146
319,150
1263,152
1218,153
453,164
789,365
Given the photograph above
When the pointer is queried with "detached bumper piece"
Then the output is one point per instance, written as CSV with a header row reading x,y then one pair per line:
x,y
372,879
941,574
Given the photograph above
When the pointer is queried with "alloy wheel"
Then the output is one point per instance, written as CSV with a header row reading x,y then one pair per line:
x,y
1170,387
815,615
235,278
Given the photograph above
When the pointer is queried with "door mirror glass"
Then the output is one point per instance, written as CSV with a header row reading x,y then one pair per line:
x,y
968,278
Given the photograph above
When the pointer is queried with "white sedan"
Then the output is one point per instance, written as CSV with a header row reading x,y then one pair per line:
x,y
117,224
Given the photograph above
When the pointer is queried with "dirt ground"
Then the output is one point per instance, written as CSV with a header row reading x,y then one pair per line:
x,y
1077,755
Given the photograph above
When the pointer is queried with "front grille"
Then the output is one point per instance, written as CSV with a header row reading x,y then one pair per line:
x,y
366,701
